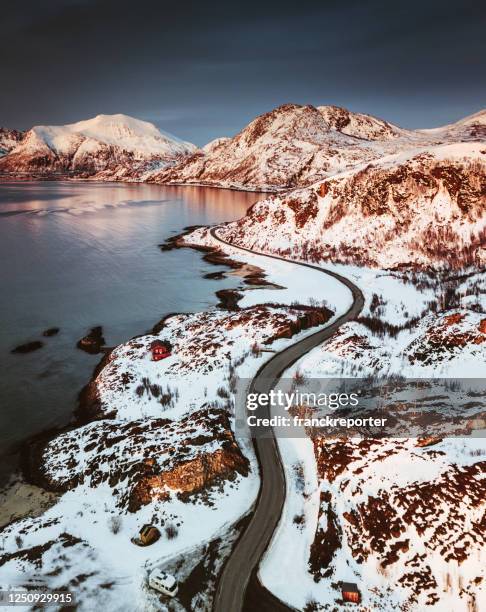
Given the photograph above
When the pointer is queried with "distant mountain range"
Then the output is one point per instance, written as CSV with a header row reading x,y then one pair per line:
x,y
107,146
290,146
356,188
295,145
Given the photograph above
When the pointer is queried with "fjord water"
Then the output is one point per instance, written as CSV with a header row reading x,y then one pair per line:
x,y
77,254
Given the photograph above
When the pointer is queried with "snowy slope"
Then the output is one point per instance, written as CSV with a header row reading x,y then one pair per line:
x,y
426,207
360,125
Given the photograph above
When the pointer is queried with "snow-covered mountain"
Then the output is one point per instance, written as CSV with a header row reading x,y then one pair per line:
x,y
116,145
426,207
290,146
296,145
360,125
9,139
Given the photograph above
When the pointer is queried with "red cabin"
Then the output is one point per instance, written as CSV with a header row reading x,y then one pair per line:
x,y
350,592
160,350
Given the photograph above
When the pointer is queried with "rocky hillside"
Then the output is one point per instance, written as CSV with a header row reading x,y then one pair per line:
x,y
424,208
360,125
147,456
296,145
112,146
379,520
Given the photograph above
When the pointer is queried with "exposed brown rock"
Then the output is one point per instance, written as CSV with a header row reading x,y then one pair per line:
x,y
173,457
441,338
190,476
304,211
453,319
326,541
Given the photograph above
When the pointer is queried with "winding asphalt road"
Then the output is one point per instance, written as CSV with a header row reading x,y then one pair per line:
x,y
249,549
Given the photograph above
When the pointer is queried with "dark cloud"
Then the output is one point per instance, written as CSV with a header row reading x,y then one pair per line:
x,y
204,69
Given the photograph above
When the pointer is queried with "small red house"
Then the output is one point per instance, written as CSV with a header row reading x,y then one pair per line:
x,y
160,350
350,592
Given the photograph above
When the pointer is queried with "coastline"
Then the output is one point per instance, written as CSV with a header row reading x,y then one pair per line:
x,y
88,404
20,500
27,493
29,177
20,460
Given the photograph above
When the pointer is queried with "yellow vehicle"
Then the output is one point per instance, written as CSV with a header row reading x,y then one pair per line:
x,y
147,536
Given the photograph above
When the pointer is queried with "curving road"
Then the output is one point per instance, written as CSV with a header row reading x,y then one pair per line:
x,y
249,549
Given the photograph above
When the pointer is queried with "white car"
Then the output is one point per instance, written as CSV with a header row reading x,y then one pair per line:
x,y
163,582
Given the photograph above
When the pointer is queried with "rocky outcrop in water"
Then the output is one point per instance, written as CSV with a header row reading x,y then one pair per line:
x,y
93,342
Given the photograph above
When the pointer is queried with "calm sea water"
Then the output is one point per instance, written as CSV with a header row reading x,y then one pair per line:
x,y
75,255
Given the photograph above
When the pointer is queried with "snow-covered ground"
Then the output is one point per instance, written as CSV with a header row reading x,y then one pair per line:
x,y
140,461
422,505
286,575
408,308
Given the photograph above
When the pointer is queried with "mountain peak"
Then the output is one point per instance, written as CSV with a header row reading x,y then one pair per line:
x,y
122,130
104,142
359,125
137,125
295,122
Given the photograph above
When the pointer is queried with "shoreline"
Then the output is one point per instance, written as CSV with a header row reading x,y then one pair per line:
x,y
19,178
26,474
88,407
20,499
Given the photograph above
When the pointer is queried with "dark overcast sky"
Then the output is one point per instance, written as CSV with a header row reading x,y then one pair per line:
x,y
204,70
